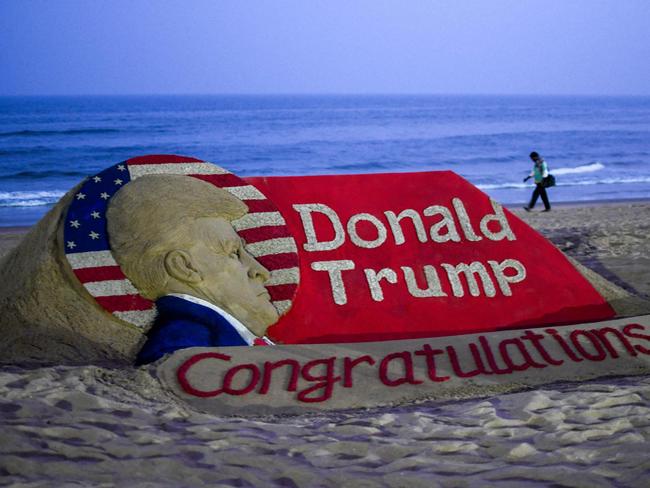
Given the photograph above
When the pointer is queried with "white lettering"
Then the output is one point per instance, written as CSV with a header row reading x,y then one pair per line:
x,y
334,269
433,282
499,217
469,270
313,244
394,222
463,218
359,241
446,222
374,277
502,279
493,226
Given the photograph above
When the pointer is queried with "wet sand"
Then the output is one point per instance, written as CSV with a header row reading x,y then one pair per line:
x,y
101,426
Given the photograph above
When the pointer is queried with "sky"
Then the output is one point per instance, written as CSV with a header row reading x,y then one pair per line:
x,y
566,47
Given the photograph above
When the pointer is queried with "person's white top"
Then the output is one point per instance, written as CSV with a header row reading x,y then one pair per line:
x,y
241,329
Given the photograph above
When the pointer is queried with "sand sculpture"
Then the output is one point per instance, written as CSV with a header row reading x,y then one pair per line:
x,y
82,286
84,283
307,378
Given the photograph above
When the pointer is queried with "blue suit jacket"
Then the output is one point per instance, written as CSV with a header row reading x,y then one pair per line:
x,y
181,324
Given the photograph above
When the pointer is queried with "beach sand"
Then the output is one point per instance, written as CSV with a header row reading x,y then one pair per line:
x,y
102,426
612,239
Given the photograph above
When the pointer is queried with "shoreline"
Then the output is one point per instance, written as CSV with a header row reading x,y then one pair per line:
x,y
512,206
581,203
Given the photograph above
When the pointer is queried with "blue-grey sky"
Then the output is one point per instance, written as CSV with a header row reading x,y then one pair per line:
x,y
334,46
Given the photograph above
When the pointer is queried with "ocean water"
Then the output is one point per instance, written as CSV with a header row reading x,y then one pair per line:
x,y
597,147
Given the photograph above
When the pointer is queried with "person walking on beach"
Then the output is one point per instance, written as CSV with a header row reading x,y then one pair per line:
x,y
539,172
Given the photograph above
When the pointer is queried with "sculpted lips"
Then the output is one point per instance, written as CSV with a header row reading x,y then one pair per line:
x,y
264,293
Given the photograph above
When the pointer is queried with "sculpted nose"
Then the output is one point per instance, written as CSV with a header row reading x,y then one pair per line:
x,y
255,270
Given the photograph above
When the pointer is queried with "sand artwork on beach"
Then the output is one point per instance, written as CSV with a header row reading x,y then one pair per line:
x,y
342,259
88,407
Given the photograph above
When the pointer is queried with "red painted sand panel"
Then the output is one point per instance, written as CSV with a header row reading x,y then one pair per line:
x,y
552,292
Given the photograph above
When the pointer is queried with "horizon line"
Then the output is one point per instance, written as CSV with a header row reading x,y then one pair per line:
x,y
323,94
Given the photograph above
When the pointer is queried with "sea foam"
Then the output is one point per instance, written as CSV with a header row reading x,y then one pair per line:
x,y
586,168
29,198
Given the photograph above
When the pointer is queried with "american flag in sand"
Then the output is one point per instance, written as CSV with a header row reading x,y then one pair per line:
x,y
88,251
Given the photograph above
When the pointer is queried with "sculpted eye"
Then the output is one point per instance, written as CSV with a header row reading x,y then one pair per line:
x,y
235,252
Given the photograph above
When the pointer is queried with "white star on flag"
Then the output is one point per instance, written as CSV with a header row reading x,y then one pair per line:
x,y
75,224
118,181
93,235
121,167
95,214
81,196
97,179
104,195
71,245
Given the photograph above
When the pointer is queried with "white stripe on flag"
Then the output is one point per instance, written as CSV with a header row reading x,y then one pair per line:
x,y
137,170
91,259
284,276
280,245
109,288
282,305
258,219
248,192
140,318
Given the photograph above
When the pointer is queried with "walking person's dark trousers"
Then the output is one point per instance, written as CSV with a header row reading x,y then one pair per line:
x,y
537,192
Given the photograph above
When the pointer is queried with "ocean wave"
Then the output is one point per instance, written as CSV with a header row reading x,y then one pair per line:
x,y
602,181
64,132
587,168
610,181
29,198
29,175
502,186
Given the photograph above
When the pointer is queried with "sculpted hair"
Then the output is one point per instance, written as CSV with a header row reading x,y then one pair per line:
x,y
153,215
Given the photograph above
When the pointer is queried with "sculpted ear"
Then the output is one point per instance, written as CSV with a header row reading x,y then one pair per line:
x,y
179,265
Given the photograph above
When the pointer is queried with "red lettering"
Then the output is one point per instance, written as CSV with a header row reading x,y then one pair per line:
x,y
528,360
348,366
409,374
600,352
476,354
181,374
430,354
560,340
490,357
269,367
326,381
453,358
536,341
627,330
602,335
232,372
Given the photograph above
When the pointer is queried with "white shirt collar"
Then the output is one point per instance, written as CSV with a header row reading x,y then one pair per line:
x,y
241,329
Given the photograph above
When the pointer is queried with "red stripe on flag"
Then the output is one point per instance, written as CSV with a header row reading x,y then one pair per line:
x,y
124,303
222,181
279,261
263,233
229,180
282,292
162,158
100,273
260,206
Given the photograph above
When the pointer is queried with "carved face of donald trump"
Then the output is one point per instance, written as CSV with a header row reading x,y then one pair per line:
x,y
173,234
